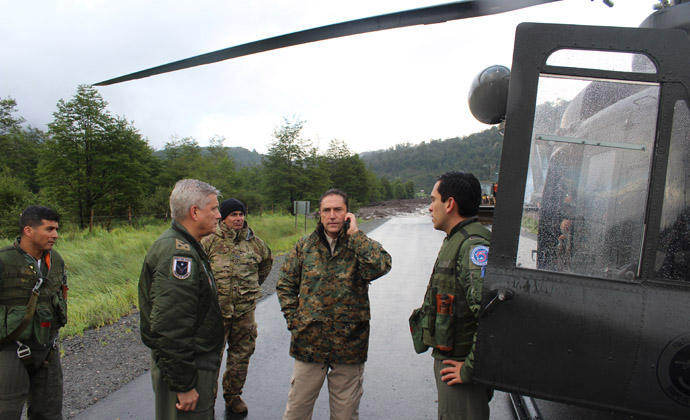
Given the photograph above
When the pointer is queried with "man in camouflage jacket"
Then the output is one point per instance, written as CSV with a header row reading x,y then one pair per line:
x,y
240,262
323,293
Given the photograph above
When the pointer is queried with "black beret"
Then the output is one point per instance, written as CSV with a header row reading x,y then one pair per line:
x,y
230,205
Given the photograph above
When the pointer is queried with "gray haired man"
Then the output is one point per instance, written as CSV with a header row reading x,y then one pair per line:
x,y
181,319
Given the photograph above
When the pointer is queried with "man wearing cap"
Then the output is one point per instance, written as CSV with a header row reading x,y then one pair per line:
x,y
240,262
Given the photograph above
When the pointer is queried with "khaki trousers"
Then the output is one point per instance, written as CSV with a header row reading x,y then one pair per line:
x,y
344,390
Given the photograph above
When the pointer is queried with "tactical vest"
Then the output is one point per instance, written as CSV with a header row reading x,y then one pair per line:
x,y
19,276
448,324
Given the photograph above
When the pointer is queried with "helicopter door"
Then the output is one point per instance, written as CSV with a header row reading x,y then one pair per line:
x,y
576,303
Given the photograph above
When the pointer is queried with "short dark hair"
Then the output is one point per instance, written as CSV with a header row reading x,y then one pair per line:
x,y
33,216
465,190
335,191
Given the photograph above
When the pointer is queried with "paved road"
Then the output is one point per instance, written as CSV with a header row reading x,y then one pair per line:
x,y
398,384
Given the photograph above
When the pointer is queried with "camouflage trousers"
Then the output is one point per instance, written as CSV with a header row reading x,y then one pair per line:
x,y
240,334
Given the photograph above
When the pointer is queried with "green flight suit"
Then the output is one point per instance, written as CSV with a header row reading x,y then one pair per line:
x,y
181,322
39,381
450,311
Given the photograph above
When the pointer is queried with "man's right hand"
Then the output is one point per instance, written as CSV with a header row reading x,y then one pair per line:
x,y
187,400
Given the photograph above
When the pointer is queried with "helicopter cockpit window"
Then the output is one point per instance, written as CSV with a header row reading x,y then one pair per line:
x,y
590,161
673,252
602,60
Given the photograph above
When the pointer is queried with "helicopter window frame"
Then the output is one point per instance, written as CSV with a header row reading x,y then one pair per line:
x,y
674,234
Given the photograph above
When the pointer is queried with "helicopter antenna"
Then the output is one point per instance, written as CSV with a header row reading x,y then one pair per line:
x,y
422,16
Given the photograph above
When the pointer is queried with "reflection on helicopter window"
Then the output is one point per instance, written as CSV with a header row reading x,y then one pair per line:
x,y
673,252
590,186
603,60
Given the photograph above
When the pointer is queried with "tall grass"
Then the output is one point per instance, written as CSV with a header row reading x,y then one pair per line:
x,y
279,231
103,266
103,273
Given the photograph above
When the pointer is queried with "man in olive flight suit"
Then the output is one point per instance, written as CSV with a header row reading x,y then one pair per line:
x,y
323,292
33,308
447,320
240,262
181,319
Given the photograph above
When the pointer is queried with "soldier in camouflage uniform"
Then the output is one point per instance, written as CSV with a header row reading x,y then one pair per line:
x,y
323,293
240,262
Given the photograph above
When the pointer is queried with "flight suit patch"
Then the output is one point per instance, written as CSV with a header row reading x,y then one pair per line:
x,y
182,267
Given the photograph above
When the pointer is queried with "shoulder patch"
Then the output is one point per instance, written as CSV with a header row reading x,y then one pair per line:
x,y
182,246
181,267
479,255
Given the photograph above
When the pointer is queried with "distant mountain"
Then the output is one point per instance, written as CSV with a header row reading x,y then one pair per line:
x,y
479,153
244,157
241,156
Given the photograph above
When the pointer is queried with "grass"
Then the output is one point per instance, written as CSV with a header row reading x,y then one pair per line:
x,y
103,273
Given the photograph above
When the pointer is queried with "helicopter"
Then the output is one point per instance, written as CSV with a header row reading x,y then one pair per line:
x,y
585,295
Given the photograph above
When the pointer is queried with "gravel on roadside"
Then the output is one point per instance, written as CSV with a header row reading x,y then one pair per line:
x,y
105,359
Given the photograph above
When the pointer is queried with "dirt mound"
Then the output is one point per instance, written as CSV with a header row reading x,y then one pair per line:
x,y
393,208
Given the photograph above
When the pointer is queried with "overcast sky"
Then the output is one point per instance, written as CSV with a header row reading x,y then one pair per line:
x,y
372,91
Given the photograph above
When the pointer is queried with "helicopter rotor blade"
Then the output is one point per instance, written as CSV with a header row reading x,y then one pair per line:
x,y
422,16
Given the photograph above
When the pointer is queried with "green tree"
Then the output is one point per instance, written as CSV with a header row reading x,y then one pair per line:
x,y
218,168
181,158
20,147
8,123
348,172
292,168
14,196
93,160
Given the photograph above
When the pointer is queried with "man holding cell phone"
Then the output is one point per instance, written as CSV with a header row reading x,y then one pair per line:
x,y
323,293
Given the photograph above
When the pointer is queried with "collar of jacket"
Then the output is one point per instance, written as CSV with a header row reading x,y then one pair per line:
x,y
192,240
465,222
321,232
245,233
29,258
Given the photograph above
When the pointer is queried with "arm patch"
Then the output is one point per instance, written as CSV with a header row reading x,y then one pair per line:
x,y
479,255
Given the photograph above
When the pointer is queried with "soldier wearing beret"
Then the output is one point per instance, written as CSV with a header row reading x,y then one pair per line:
x,y
240,262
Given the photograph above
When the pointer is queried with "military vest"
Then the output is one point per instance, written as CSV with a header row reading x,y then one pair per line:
x,y
448,324
19,274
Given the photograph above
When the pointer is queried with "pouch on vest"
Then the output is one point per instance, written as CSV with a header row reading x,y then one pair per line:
x,y
42,325
60,308
444,321
14,317
3,321
416,330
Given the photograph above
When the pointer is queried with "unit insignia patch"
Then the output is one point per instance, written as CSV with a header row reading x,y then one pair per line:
x,y
181,267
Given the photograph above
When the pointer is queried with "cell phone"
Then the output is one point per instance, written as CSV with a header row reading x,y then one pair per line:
x,y
346,225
